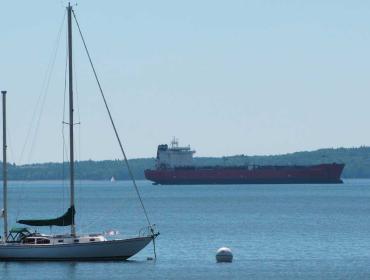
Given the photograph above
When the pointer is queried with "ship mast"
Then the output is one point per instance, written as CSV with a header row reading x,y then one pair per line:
x,y
5,172
70,83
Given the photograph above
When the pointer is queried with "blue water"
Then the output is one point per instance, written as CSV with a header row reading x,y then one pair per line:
x,y
274,231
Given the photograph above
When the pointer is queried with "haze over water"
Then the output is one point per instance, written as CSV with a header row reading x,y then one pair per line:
x,y
275,231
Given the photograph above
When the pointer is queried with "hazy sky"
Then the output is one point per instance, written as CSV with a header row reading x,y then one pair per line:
x,y
227,77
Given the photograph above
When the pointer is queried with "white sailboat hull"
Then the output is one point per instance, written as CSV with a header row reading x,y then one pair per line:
x,y
102,250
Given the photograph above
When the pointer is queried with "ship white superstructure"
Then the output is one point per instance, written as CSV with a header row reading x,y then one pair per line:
x,y
174,156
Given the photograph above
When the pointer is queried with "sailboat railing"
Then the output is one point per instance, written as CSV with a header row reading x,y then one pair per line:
x,y
148,231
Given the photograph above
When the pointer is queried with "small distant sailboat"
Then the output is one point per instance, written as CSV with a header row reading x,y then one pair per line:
x,y
112,179
26,245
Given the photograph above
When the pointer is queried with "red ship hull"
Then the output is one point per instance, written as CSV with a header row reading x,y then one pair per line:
x,y
313,174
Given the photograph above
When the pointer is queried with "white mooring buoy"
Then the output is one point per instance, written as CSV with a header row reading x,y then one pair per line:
x,y
224,254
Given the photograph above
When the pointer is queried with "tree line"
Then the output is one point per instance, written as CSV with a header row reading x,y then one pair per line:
x,y
356,160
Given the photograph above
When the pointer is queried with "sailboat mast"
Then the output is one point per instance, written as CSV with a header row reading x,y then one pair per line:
x,y
5,171
71,152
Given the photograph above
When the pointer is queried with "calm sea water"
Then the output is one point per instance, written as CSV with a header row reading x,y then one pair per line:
x,y
275,231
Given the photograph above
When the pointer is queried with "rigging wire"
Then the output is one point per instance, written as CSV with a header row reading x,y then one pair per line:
x,y
35,120
77,152
46,84
114,127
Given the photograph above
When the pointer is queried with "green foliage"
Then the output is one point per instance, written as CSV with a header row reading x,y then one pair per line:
x,y
357,162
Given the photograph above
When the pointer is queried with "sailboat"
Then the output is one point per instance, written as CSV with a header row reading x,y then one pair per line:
x,y
23,244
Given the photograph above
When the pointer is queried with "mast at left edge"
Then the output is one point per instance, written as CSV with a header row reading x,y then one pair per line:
x,y
5,171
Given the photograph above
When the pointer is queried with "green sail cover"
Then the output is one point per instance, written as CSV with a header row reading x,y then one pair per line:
x,y
62,221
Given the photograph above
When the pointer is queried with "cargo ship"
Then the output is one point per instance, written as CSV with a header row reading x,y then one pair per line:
x,y
174,166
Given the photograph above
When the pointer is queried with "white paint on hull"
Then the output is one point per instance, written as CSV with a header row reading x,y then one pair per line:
x,y
102,250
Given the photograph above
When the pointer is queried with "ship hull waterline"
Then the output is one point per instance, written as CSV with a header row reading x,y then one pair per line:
x,y
93,251
244,182
315,174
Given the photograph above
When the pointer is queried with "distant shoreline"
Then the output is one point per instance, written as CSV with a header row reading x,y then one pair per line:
x,y
356,160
